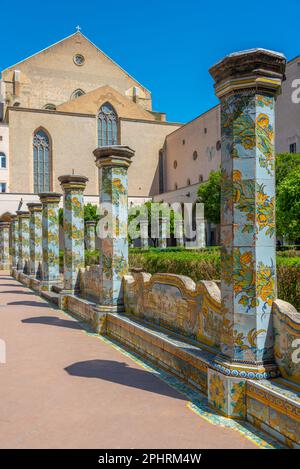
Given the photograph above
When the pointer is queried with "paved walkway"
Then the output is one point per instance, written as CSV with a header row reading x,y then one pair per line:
x,y
63,388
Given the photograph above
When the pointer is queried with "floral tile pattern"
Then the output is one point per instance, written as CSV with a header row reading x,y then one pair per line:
x,y
14,240
35,243
23,245
4,246
90,236
73,230
248,225
50,238
114,246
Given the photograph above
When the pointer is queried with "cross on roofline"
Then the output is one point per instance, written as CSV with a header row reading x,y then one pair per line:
x,y
78,28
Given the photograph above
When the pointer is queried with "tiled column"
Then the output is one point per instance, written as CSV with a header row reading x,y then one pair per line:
x,y
50,239
4,245
90,235
14,230
163,233
23,244
144,233
246,84
200,226
35,239
73,186
113,163
178,231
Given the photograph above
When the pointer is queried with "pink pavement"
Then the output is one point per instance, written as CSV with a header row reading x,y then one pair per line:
x,y
63,388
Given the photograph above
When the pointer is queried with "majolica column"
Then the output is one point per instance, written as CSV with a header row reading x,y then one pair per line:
x,y
113,163
50,239
35,239
14,230
23,241
4,245
90,235
73,186
178,231
200,226
144,233
163,232
247,84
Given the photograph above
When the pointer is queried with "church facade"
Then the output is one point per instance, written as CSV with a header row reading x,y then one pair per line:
x,y
61,103
58,106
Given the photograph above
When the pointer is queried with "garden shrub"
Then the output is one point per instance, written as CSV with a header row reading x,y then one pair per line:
x,y
206,265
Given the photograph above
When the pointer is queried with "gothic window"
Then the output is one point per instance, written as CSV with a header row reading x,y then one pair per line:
x,y
77,93
107,126
2,160
41,161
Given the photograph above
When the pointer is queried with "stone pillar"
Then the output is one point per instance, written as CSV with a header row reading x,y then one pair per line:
x,y
90,235
4,245
162,242
50,239
200,226
144,233
23,241
246,84
73,186
14,230
179,230
35,239
113,163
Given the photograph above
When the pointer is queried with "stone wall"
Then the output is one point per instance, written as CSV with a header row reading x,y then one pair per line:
x,y
287,339
89,282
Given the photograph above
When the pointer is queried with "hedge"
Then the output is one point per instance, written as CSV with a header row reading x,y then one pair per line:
x,y
207,266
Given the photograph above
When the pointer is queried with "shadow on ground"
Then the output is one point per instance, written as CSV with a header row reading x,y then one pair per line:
x,y
52,321
18,292
29,303
10,284
121,373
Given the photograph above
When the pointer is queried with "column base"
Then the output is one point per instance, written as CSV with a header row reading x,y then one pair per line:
x,y
245,370
46,285
110,308
227,395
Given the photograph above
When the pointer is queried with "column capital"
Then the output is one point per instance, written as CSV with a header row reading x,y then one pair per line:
x,y
73,182
4,224
113,156
34,207
22,214
258,69
50,197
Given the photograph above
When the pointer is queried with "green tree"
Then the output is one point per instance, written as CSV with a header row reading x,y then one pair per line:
x,y
285,164
288,206
209,193
90,213
155,209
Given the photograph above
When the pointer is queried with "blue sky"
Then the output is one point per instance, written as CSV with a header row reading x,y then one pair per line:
x,y
167,45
